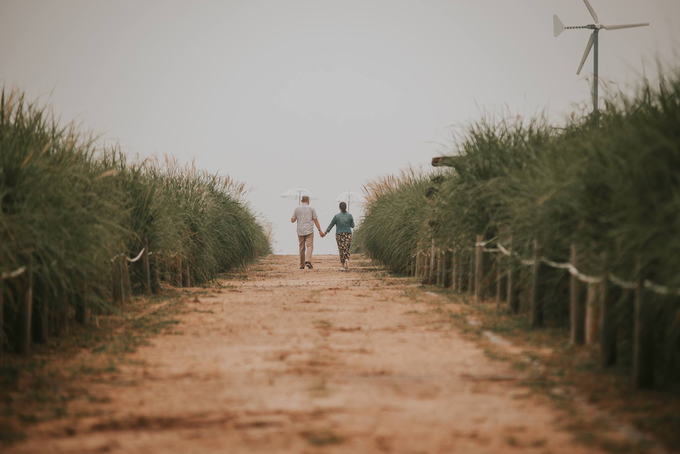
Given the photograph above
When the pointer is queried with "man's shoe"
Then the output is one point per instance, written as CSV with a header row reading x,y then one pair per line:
x,y
309,265
302,267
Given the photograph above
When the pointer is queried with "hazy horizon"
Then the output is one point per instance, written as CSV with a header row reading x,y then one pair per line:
x,y
315,94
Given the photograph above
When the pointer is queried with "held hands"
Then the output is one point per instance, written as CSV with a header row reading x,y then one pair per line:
x,y
323,234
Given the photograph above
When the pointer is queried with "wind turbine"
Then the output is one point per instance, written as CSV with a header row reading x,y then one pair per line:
x,y
558,28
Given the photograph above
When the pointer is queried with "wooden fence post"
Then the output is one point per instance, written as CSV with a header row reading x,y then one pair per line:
x,y
513,300
441,267
180,278
127,285
81,307
471,274
61,326
186,276
27,312
479,269
45,320
578,310
156,273
609,332
63,315
445,266
502,281
536,293
433,258
454,266
2,314
146,267
460,270
417,270
116,281
592,314
643,337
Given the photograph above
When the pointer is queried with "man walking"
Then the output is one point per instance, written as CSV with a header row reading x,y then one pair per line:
x,y
306,219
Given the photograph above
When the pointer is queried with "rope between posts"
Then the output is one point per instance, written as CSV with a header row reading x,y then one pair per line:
x,y
656,288
129,259
19,271
136,258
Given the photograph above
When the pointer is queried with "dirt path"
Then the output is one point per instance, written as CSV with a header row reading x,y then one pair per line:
x,y
291,361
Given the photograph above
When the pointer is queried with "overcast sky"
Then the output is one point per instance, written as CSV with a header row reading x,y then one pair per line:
x,y
320,94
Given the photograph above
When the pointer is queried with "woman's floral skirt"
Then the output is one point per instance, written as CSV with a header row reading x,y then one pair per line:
x,y
344,242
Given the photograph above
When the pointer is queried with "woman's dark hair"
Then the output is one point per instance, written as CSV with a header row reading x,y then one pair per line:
x,y
343,207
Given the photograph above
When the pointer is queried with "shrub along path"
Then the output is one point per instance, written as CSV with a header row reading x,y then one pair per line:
x,y
283,360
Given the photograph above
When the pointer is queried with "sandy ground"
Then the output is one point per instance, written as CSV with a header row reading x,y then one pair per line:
x,y
292,361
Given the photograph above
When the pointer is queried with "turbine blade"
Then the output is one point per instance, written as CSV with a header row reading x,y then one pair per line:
x,y
558,26
585,54
592,11
620,26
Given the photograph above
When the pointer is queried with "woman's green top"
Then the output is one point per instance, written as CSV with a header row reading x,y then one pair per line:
x,y
344,223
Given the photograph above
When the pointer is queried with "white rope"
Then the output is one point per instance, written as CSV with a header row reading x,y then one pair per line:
x,y
584,277
136,258
503,250
656,288
660,289
562,266
129,259
621,283
12,274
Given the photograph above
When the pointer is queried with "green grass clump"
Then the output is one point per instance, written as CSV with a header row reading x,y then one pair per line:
x,y
68,206
395,219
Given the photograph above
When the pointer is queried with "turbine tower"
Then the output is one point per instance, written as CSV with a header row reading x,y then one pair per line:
x,y
558,28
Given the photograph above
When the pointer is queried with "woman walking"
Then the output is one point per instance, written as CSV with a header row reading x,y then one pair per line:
x,y
344,223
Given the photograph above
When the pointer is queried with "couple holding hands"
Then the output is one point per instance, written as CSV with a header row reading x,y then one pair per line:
x,y
305,216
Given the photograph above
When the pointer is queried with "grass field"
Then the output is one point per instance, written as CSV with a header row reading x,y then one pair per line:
x,y
608,184
71,208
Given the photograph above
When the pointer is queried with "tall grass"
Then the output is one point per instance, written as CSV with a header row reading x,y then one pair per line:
x,y
609,184
395,218
69,206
